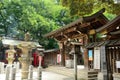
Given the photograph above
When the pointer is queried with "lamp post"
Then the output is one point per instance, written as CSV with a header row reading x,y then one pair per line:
x,y
75,51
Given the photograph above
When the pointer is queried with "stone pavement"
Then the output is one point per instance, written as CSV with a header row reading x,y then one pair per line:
x,y
55,73
82,73
54,76
45,76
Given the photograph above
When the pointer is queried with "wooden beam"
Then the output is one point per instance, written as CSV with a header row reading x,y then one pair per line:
x,y
114,33
79,32
76,36
65,36
56,39
92,31
70,30
83,27
104,32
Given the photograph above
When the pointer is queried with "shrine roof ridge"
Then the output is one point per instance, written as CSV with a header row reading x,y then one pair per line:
x,y
78,21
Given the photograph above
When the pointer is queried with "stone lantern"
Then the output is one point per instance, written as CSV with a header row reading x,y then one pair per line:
x,y
25,58
10,52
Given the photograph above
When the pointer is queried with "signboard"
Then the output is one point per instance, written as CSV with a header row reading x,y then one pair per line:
x,y
90,54
58,58
117,64
97,58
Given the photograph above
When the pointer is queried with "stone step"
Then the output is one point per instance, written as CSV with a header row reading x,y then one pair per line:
x,y
92,75
92,72
92,78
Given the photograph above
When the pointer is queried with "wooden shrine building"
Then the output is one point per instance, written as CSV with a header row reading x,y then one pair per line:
x,y
50,57
79,31
100,39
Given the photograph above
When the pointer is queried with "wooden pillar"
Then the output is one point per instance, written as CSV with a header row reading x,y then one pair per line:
x,y
62,52
86,58
85,39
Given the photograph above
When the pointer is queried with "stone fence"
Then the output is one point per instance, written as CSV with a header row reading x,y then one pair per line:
x,y
10,71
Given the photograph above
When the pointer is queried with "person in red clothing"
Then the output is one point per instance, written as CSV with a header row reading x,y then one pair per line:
x,y
35,59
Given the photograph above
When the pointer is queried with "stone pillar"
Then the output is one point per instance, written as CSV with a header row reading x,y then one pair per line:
x,y
103,74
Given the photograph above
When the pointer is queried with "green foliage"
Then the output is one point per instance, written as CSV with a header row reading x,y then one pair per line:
x,y
86,7
78,7
37,17
110,16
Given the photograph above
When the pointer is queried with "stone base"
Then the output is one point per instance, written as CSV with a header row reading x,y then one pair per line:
x,y
25,67
24,75
116,76
102,76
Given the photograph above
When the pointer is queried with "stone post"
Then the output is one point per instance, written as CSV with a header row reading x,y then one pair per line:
x,y
7,73
17,66
13,75
2,67
39,73
30,77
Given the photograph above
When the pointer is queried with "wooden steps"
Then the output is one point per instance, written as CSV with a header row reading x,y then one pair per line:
x,y
92,75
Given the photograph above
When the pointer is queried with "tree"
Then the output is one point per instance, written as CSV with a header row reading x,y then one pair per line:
x,y
37,17
85,7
